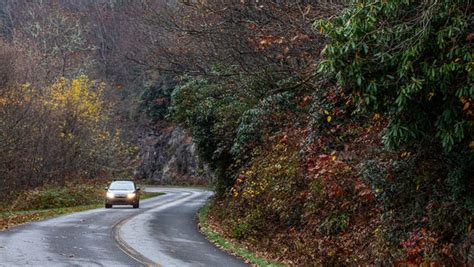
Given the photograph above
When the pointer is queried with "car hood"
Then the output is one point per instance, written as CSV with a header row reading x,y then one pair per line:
x,y
121,192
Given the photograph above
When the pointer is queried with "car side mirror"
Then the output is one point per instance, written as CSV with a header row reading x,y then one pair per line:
x,y
138,188
106,188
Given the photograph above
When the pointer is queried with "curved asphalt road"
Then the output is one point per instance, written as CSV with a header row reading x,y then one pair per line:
x,y
162,232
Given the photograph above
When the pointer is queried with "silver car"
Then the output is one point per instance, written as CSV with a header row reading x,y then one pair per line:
x,y
122,193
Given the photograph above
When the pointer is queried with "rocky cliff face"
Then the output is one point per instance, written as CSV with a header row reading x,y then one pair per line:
x,y
168,156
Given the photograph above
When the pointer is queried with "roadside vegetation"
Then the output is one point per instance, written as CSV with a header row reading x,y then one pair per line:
x,y
346,135
213,233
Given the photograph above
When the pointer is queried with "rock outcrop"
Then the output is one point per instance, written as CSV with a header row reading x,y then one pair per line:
x,y
168,156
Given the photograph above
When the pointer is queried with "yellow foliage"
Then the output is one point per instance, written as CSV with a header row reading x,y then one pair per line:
x,y
23,94
3,101
466,105
79,98
406,154
376,117
77,121
430,95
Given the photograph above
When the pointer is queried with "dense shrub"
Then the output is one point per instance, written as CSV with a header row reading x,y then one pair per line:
x,y
418,198
410,62
211,111
411,59
50,197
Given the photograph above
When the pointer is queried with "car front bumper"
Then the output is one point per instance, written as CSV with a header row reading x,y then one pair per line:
x,y
121,201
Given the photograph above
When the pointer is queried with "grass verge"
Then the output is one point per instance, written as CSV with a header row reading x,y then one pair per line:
x,y
227,245
145,195
12,218
9,219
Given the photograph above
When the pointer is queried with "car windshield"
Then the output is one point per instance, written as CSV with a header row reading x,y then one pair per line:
x,y
122,186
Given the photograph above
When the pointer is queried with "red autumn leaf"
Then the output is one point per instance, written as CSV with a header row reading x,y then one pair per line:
x,y
359,185
323,157
366,194
470,37
252,26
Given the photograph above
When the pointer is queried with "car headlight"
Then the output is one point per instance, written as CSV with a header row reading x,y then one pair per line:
x,y
110,195
131,195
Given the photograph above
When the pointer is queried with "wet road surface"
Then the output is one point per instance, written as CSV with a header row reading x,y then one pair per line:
x,y
162,232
